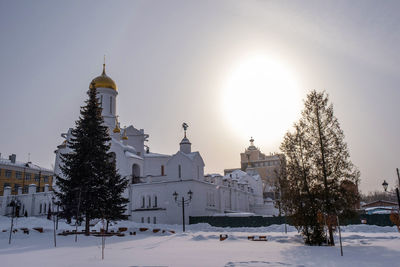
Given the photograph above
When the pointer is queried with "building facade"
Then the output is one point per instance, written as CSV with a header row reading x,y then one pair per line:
x,y
19,175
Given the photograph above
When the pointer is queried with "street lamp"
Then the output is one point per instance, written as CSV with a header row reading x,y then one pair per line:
x,y
182,203
385,186
15,204
53,200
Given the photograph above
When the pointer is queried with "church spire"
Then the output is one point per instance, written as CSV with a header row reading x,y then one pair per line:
x,y
104,66
185,145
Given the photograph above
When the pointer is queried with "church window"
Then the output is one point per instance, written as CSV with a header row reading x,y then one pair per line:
x,y
154,220
179,171
44,210
155,202
148,219
142,219
162,170
111,104
40,208
149,202
143,200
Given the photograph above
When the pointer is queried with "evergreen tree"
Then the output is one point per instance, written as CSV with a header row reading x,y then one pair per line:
x,y
88,168
319,168
113,203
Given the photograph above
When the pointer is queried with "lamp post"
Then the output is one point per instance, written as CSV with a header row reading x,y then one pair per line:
x,y
385,186
182,203
15,203
53,200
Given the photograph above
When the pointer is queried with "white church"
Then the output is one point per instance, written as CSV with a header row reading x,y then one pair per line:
x,y
156,181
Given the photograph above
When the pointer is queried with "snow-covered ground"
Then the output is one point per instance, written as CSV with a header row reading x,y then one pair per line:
x,y
363,245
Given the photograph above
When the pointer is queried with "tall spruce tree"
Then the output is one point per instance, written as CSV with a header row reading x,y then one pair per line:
x,y
89,169
318,142
113,203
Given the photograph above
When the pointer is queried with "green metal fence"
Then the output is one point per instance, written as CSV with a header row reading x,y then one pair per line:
x,y
258,221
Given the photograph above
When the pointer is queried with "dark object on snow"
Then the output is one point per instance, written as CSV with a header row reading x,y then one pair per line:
x,y
259,238
223,237
39,229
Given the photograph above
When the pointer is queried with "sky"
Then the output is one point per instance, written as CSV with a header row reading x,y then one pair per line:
x,y
174,62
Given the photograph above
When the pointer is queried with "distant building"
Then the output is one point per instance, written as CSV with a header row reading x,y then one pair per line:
x,y
28,183
380,207
267,166
19,175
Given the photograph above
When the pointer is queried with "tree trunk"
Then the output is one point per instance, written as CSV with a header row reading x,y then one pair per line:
x,y
325,176
331,240
87,221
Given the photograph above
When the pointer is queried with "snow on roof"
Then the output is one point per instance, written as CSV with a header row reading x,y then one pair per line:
x,y
20,164
155,155
131,155
124,147
381,208
214,175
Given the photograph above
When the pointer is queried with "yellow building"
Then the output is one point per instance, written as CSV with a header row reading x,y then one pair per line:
x,y
267,166
19,175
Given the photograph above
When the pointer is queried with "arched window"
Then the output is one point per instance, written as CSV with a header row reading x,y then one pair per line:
x,y
162,170
154,220
148,219
179,171
111,104
149,202
155,201
40,208
44,210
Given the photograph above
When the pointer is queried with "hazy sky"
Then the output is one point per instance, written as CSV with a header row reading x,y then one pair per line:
x,y
172,59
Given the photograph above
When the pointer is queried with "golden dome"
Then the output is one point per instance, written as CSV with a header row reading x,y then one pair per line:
x,y
124,137
103,81
116,129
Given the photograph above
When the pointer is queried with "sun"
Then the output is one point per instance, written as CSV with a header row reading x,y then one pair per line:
x,y
261,98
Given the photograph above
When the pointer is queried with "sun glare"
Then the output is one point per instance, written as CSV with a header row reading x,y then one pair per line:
x,y
261,98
